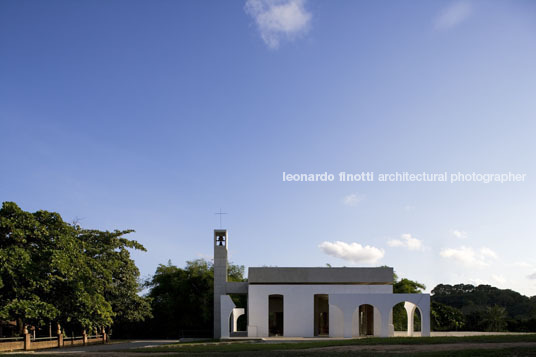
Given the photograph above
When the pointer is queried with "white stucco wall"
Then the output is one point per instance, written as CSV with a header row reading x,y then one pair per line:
x,y
298,305
227,307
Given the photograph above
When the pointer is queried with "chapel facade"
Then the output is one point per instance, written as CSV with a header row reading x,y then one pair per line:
x,y
310,302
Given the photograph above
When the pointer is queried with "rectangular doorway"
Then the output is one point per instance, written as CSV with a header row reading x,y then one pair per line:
x,y
321,311
275,315
366,320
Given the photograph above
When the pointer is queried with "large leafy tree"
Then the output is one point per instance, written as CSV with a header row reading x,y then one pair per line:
x,y
30,266
54,271
108,255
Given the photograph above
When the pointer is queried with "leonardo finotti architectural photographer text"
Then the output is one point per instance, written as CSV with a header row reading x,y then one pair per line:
x,y
370,176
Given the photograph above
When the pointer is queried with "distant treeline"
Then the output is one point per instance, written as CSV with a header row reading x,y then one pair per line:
x,y
482,308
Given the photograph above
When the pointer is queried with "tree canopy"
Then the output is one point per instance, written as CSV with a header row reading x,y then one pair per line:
x,y
446,318
51,270
406,286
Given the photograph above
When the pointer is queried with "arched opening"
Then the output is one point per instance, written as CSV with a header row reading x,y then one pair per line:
x,y
366,320
238,317
242,323
406,318
237,323
275,315
321,318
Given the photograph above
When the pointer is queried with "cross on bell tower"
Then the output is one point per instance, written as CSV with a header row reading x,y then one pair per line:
x,y
220,213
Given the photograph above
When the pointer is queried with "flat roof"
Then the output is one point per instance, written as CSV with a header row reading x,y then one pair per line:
x,y
276,275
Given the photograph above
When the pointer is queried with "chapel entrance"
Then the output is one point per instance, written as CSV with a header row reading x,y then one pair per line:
x,y
275,315
366,320
321,311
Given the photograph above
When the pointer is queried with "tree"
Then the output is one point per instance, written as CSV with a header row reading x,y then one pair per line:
x,y
29,264
446,318
116,272
406,286
54,271
494,318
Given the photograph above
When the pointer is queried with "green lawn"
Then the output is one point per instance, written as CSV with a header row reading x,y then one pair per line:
x,y
311,348
509,352
256,347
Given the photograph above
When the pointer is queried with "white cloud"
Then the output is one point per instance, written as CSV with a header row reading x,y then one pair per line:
x,y
486,252
498,278
532,276
353,252
352,199
459,234
522,265
453,15
406,241
408,208
469,257
277,19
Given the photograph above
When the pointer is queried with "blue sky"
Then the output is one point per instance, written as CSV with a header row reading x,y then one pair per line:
x,y
153,115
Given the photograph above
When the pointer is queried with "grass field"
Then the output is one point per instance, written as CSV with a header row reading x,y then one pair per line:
x,y
513,345
501,345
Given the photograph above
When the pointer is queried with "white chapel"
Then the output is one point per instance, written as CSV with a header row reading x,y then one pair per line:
x,y
310,302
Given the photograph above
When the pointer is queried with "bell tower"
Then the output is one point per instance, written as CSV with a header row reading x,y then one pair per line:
x,y
221,240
